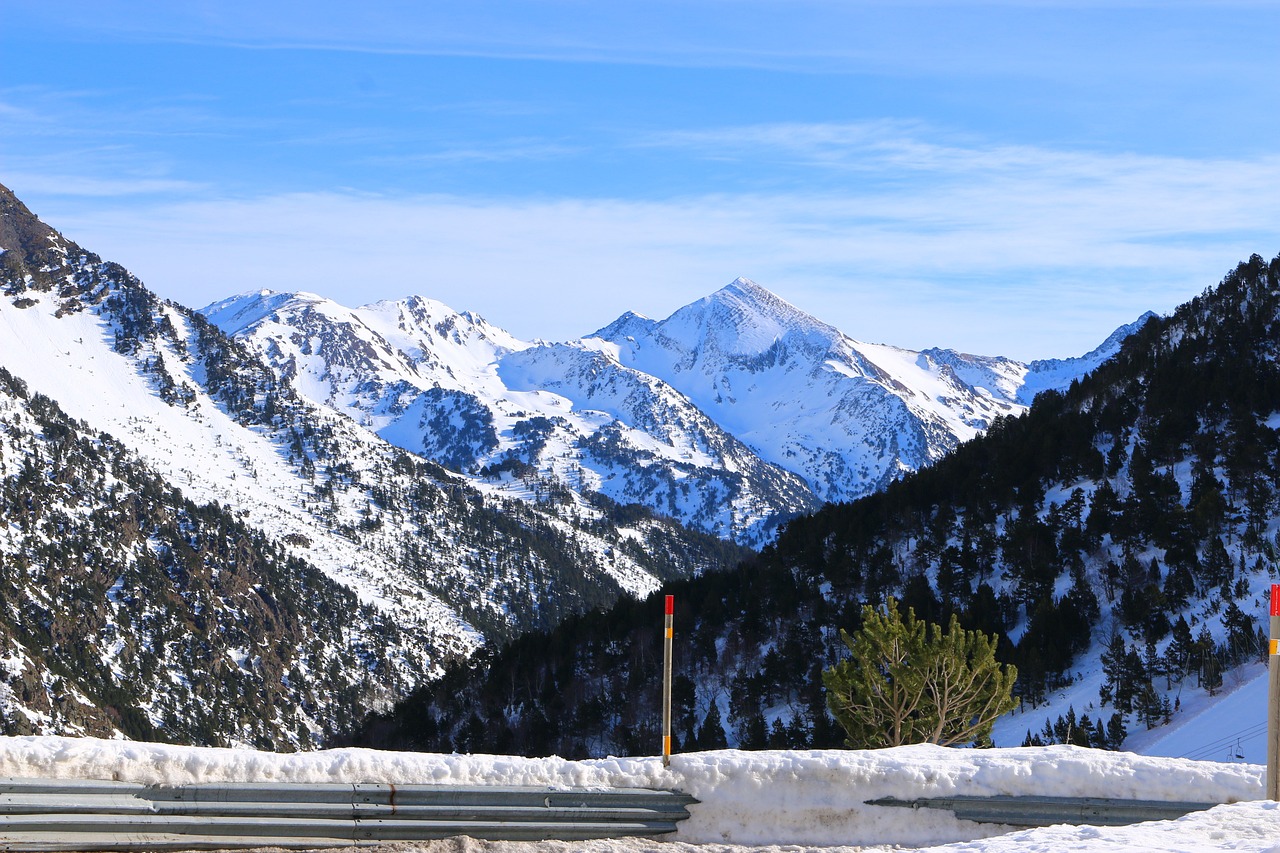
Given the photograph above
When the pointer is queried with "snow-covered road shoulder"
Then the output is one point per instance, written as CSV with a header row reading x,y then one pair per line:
x,y
1240,827
750,798
819,797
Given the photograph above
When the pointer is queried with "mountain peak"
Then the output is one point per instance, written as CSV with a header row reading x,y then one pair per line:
x,y
746,287
23,232
236,313
1112,344
746,292
1101,352
629,325
743,317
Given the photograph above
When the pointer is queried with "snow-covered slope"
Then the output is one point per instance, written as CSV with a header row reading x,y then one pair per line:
x,y
198,445
299,428
449,566
1119,539
653,446
1058,373
127,608
1229,726
736,412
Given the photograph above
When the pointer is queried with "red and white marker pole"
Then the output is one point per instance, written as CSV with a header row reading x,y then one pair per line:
x,y
666,680
1273,699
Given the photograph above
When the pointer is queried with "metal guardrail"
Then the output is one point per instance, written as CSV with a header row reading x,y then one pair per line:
x,y
1047,811
47,815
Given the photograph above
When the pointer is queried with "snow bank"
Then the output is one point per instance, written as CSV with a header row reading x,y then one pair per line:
x,y
752,798
819,797
1246,827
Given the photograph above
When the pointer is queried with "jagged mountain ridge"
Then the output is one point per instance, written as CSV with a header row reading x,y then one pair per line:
x,y
733,414
848,416
1120,538
406,542
457,390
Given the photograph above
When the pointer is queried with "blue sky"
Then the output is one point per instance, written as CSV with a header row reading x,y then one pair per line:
x,y
1011,178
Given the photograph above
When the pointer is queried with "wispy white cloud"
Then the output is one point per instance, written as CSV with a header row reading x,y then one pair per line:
x,y
93,171
1030,269
888,173
891,230
13,113
896,230
82,186
810,36
34,118
505,151
917,147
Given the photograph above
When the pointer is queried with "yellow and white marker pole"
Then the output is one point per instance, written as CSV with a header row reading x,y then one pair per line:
x,y
1273,699
666,681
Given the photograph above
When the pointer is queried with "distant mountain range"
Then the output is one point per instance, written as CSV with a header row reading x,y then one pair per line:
x,y
733,414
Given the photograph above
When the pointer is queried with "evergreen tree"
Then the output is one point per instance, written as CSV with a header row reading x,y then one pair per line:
x,y
711,734
908,682
1116,731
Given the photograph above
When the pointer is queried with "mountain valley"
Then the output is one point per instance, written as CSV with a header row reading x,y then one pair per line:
x,y
257,523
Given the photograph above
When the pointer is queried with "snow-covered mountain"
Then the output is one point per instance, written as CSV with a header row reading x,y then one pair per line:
x,y
509,413
407,552
847,416
736,412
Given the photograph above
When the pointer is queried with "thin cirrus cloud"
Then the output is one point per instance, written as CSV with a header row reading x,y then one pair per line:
x,y
1041,161
656,31
508,151
40,121
53,184
793,35
907,146
1087,201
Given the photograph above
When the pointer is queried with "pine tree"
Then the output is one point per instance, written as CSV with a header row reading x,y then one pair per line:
x,y
908,682
711,734
1116,732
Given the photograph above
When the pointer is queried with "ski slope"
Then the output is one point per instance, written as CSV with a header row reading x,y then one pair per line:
x,y
1231,727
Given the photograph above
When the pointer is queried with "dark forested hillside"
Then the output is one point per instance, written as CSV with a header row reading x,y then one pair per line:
x,y
1128,525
